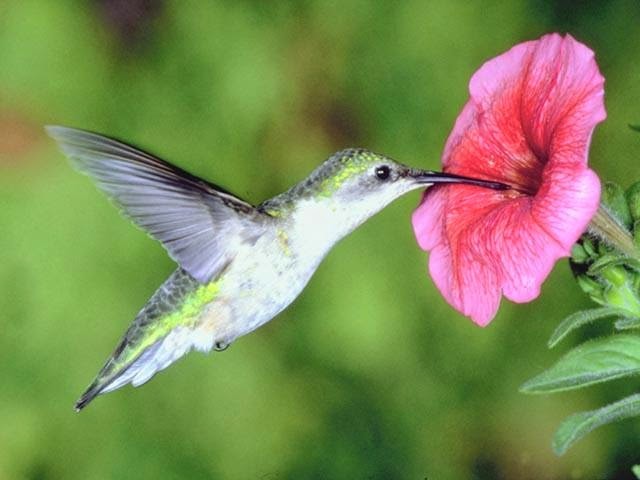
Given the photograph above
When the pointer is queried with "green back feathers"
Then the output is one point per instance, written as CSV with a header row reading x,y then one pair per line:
x,y
325,180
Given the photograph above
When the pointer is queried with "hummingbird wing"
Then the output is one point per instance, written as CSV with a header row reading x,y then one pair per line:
x,y
199,223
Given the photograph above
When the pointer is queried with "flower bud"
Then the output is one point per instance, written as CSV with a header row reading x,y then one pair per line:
x,y
623,298
591,287
616,276
579,254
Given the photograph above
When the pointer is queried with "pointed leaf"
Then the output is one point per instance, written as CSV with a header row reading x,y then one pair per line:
x,y
627,323
632,194
578,319
577,426
592,362
613,197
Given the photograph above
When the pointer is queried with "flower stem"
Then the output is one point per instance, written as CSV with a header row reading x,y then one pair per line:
x,y
608,228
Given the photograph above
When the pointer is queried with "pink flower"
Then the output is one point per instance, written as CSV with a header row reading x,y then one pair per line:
x,y
528,123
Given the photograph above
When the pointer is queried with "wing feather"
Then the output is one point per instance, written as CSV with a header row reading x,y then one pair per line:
x,y
199,223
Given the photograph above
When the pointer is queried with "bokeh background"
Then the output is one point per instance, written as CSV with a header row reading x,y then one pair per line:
x,y
369,374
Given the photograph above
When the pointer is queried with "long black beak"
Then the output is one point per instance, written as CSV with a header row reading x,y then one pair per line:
x,y
426,177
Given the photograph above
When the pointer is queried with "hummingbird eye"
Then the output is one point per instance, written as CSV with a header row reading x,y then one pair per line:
x,y
383,172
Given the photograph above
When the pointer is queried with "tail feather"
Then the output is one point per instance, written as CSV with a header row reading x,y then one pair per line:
x,y
109,380
154,358
166,328
175,345
91,393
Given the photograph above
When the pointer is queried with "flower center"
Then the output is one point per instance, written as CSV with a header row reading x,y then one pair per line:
x,y
525,173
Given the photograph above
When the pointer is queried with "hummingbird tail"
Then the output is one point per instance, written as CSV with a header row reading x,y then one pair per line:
x,y
156,357
168,326
115,375
92,392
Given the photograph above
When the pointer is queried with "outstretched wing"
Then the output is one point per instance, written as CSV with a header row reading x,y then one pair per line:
x,y
197,222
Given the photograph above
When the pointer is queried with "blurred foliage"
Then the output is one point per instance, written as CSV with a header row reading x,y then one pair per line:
x,y
369,374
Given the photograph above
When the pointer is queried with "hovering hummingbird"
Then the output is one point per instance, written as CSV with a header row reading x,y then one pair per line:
x,y
239,265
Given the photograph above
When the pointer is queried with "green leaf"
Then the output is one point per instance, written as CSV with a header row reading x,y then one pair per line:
x,y
592,362
627,323
581,318
577,426
632,194
634,127
613,197
636,471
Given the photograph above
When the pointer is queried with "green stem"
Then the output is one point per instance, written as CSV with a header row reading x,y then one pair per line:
x,y
607,227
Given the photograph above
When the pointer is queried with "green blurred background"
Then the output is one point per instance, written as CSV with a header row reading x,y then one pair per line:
x,y
369,374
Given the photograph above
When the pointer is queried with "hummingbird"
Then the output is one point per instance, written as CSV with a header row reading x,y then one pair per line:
x,y
239,265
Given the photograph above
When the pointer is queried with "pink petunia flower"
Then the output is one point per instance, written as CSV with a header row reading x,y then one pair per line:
x,y
528,123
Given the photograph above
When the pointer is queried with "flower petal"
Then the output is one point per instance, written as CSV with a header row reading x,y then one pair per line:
x,y
566,203
528,123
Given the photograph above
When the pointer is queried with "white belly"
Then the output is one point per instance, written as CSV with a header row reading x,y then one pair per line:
x,y
260,282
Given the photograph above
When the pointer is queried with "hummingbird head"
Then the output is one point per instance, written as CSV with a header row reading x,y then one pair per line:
x,y
362,180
